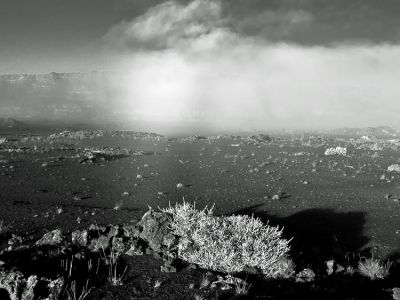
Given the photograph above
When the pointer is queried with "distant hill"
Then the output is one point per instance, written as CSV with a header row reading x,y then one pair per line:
x,y
381,131
9,123
55,96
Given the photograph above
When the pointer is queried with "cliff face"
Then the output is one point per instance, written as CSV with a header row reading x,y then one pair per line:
x,y
54,96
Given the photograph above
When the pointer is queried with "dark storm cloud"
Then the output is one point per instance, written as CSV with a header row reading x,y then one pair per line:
x,y
166,25
316,22
311,22
65,35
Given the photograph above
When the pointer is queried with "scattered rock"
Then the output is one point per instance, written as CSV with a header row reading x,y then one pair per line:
x,y
392,197
330,264
168,269
17,286
54,237
336,151
105,154
135,249
15,239
394,168
280,195
307,275
396,293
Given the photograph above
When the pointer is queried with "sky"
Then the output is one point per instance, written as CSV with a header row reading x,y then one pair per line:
x,y
254,63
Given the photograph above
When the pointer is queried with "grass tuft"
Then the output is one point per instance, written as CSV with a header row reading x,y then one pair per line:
x,y
73,294
3,227
241,287
374,268
205,282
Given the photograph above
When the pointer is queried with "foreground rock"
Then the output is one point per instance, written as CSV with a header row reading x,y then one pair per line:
x,y
51,238
21,288
156,232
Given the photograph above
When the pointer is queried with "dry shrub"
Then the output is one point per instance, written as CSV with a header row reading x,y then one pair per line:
x,y
228,244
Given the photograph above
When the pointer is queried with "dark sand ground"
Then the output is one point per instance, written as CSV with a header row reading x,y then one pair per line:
x,y
336,205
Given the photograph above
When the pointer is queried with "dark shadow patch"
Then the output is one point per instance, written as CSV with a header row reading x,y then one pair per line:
x,y
394,274
21,202
319,234
4,294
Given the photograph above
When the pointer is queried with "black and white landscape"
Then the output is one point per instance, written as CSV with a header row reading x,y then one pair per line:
x,y
199,149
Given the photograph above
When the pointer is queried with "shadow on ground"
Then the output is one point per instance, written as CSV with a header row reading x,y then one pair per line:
x,y
319,234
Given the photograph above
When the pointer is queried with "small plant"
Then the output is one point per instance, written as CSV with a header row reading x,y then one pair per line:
x,y
374,268
91,266
111,261
350,270
241,287
205,282
72,293
3,227
70,269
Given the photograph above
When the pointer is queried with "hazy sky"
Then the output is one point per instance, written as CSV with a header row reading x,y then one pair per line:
x,y
282,63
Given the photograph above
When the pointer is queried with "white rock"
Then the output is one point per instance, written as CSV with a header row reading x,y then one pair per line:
x,y
394,168
336,151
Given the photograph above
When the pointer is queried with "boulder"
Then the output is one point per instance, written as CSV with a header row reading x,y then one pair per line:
x,y
51,238
17,286
307,275
396,293
394,168
156,231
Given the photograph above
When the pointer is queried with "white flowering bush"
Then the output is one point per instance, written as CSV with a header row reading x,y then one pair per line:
x,y
229,244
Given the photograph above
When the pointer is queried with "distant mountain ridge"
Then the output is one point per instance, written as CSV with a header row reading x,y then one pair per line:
x,y
57,96
10,123
380,131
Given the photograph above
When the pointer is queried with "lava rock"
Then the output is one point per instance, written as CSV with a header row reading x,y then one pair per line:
x,y
51,238
307,275
156,231
396,293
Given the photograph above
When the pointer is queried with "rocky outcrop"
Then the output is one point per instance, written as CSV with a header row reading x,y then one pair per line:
x,y
151,235
21,288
